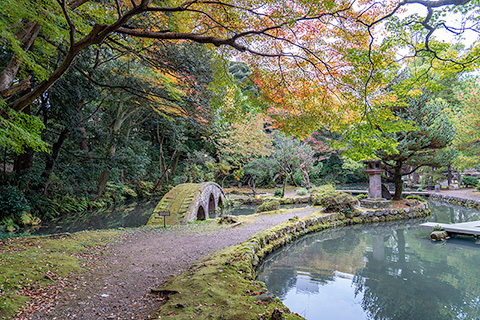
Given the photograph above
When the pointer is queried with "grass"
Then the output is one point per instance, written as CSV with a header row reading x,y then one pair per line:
x,y
28,266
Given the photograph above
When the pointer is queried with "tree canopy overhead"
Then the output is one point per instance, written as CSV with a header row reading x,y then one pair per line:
x,y
322,51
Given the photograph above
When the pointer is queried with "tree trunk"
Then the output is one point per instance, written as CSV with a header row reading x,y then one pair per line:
x,y
251,184
102,182
306,178
175,163
23,161
284,185
52,159
27,36
449,174
397,178
293,180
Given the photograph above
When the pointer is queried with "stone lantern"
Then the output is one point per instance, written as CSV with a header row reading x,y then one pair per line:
x,y
375,200
374,171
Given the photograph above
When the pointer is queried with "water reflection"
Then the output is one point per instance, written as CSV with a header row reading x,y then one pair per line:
x,y
133,214
387,271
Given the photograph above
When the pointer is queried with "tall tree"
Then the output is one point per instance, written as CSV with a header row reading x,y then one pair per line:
x,y
432,130
467,122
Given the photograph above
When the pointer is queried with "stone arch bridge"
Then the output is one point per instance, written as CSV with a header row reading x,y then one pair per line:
x,y
188,202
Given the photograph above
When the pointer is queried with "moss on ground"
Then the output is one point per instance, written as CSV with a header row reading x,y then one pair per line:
x,y
29,265
223,285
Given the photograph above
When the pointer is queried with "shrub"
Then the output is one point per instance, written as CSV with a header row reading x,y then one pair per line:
x,y
12,203
322,189
362,196
302,192
336,201
277,193
415,198
470,181
269,206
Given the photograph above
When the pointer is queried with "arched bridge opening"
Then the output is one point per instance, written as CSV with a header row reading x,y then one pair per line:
x,y
189,202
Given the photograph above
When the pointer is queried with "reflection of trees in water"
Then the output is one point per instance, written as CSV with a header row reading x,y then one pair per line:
x,y
133,214
449,213
312,258
397,276
403,286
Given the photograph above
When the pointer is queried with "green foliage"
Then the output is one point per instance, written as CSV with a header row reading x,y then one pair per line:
x,y
278,193
341,169
362,196
322,189
21,131
335,201
470,181
438,228
12,203
413,197
302,192
269,206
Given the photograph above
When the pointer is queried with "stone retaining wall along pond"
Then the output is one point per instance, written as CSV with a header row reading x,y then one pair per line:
x,y
456,200
223,286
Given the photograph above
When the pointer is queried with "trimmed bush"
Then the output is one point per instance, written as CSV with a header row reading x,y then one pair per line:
x,y
419,198
336,201
322,189
302,192
362,196
269,206
470,181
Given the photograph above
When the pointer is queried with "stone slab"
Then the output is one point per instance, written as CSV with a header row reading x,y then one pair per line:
x,y
469,228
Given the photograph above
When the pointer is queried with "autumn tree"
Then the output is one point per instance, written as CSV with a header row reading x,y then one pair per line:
x,y
321,58
238,143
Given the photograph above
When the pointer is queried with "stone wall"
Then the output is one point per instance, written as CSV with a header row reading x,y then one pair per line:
x,y
273,238
239,262
456,200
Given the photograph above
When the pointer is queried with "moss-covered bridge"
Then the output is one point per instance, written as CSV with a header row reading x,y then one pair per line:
x,y
188,202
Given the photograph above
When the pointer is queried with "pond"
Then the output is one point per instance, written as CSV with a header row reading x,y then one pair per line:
x,y
130,214
126,215
383,271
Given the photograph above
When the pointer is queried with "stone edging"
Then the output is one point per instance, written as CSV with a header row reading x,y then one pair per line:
x,y
245,257
456,200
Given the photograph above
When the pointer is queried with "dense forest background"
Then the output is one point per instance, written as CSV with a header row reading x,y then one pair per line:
x,y
103,101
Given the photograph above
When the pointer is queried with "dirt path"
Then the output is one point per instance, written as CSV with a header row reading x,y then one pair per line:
x,y
118,288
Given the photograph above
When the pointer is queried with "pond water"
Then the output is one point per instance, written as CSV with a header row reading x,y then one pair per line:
x,y
127,215
382,271
133,214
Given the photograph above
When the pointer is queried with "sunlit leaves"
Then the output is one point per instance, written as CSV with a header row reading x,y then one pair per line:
x,y
21,131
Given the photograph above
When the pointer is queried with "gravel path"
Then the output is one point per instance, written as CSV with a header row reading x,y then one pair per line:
x,y
470,193
119,286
